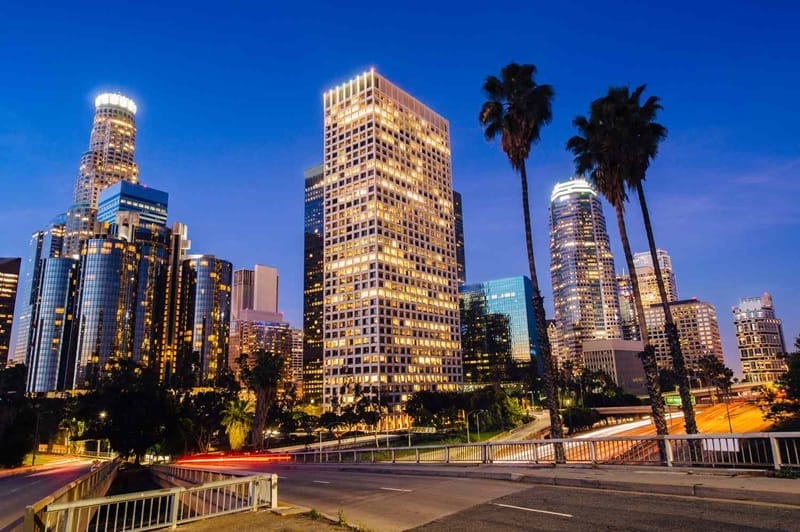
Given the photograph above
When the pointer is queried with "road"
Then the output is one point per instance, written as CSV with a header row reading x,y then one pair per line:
x,y
713,419
19,491
555,508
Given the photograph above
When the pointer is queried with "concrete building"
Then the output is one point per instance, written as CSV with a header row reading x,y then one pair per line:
x,y
759,334
620,360
9,282
698,329
582,269
390,318
255,289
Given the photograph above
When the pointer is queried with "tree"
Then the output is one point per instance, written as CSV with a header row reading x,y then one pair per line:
x,y
237,419
516,110
262,377
646,136
606,150
783,405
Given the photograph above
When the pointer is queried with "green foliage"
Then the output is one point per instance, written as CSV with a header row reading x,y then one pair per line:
x,y
578,418
237,420
782,403
447,409
17,426
261,373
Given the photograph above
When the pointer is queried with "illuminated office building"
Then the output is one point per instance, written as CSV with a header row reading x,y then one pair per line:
x,y
582,269
498,330
275,338
9,281
461,261
50,359
109,160
698,330
150,204
204,314
178,251
313,249
759,334
297,360
255,290
627,308
391,322
646,275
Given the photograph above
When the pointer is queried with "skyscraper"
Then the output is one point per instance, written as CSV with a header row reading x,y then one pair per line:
x,y
391,322
582,269
178,251
461,260
204,313
255,289
698,330
646,275
109,160
498,329
9,281
627,308
759,334
313,249
149,203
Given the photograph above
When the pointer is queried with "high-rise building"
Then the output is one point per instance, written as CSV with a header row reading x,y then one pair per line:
x,y
619,359
391,322
205,313
297,360
50,357
43,244
759,334
498,329
9,281
627,308
313,249
646,276
109,160
582,269
461,260
255,289
149,203
698,330
178,251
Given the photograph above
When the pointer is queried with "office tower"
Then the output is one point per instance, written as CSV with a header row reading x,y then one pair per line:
x,y
50,355
582,269
297,360
391,321
9,280
149,203
627,308
109,160
461,261
619,359
313,249
759,335
646,275
43,244
204,313
556,343
178,251
698,330
498,329
255,290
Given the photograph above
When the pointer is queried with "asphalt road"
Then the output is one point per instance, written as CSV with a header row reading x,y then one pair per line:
x,y
553,508
19,491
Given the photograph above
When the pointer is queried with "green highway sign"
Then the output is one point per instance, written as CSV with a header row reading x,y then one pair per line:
x,y
675,400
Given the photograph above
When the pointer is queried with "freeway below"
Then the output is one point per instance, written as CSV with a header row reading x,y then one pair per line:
x,y
386,502
19,491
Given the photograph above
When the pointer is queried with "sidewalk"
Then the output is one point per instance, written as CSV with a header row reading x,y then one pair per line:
x,y
742,485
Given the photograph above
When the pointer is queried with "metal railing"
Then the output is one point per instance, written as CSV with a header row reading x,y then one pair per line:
x,y
171,507
85,486
750,450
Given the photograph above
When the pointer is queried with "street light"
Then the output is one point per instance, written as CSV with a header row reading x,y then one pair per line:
x,y
477,421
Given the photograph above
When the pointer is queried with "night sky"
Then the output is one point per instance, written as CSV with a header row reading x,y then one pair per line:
x,y
230,114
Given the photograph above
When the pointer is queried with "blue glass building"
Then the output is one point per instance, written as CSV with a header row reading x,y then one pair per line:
x,y
314,247
151,204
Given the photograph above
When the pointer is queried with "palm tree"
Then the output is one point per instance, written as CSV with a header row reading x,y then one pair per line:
x,y
602,151
516,110
645,138
237,420
263,377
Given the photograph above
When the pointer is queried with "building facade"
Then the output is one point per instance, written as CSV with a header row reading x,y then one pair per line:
x,y
172,341
150,204
698,329
759,335
313,273
9,282
461,260
255,289
109,160
619,359
627,308
582,269
648,283
390,304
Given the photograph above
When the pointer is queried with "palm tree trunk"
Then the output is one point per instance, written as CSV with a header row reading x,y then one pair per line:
x,y
648,356
259,418
678,362
548,373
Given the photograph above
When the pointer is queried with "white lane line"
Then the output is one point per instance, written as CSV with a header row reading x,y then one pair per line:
x,y
281,478
531,510
397,489
321,482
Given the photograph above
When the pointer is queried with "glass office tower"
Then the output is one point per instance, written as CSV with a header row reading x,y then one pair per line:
x,y
460,252
313,248
150,204
759,334
9,282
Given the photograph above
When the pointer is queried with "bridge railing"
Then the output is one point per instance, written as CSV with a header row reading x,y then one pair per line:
x,y
749,450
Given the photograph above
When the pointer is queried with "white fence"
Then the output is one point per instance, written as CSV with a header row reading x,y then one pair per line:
x,y
752,450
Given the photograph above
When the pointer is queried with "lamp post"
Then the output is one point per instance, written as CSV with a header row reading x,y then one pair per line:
x,y
477,411
103,415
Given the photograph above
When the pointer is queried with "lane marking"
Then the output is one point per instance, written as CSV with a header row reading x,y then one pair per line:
x,y
397,489
320,482
531,510
281,478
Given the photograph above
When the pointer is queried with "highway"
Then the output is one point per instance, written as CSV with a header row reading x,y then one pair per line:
x,y
19,491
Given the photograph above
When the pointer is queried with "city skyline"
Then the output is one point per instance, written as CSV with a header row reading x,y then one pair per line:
x,y
696,186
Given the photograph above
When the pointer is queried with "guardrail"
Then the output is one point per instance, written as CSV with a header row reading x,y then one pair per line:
x,y
751,450
36,514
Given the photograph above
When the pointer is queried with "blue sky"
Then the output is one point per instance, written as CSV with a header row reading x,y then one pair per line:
x,y
230,115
